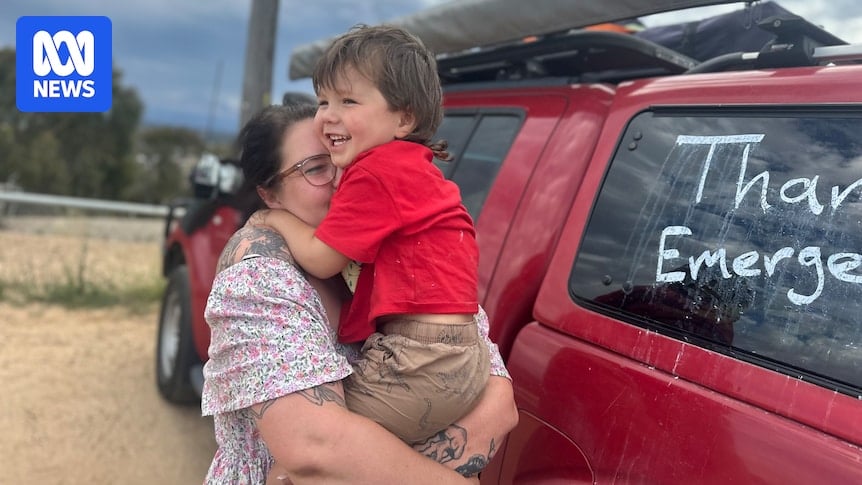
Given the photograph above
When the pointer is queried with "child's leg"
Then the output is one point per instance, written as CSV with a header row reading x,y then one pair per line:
x,y
417,386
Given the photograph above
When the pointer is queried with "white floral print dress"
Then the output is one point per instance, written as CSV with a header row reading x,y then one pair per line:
x,y
270,338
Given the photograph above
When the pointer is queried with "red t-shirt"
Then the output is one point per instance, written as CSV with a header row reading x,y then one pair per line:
x,y
396,214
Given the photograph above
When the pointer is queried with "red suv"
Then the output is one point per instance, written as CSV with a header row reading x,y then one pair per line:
x,y
670,252
196,231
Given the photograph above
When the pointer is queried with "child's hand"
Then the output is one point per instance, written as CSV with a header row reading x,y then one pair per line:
x,y
258,218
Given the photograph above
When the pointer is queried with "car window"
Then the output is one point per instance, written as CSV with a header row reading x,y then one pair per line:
x,y
740,232
456,130
478,147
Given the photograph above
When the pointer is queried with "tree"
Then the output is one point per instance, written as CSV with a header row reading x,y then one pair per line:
x,y
41,167
80,154
162,150
10,151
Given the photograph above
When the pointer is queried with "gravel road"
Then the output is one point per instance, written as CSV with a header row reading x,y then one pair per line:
x,y
78,403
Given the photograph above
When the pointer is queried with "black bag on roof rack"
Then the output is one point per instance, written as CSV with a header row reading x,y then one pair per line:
x,y
715,36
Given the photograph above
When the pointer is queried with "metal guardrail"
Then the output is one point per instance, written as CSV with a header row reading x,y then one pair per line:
x,y
84,203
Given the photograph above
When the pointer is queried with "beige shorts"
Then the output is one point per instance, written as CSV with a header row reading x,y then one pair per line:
x,y
417,378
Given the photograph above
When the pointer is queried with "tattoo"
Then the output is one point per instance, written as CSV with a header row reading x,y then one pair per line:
x,y
258,415
445,446
319,396
253,240
477,463
322,394
448,445
474,465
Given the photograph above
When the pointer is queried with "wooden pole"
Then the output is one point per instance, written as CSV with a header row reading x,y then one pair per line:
x,y
259,53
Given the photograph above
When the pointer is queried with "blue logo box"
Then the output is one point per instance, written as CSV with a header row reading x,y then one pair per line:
x,y
63,64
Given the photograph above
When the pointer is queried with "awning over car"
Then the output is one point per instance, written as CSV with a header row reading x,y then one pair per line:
x,y
461,24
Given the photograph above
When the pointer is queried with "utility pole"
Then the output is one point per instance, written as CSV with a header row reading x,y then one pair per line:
x,y
259,53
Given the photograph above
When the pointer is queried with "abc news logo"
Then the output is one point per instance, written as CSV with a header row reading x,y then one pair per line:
x,y
63,64
46,59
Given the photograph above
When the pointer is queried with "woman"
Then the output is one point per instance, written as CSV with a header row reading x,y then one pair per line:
x,y
273,378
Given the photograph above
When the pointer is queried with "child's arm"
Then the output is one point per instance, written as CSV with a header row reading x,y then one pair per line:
x,y
315,256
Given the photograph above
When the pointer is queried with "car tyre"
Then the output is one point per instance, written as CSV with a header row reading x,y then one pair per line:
x,y
175,352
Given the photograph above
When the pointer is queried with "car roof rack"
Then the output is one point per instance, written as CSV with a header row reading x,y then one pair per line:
x,y
797,43
456,25
613,57
838,54
580,55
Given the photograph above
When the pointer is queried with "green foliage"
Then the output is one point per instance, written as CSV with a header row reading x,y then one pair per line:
x,y
74,293
91,154
42,169
160,149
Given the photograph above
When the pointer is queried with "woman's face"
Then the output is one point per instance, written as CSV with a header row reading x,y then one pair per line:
x,y
293,193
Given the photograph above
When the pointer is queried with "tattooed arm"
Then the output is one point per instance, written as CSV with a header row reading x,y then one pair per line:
x,y
253,240
315,439
468,445
313,436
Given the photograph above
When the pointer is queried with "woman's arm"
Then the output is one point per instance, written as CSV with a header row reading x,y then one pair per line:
x,y
313,436
251,240
468,445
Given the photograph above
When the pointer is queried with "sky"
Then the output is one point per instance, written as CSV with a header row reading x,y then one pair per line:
x,y
185,57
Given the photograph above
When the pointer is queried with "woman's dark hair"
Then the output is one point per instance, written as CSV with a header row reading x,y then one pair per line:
x,y
291,98
260,145
261,139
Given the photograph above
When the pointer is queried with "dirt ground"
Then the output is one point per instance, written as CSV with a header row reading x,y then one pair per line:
x,y
78,400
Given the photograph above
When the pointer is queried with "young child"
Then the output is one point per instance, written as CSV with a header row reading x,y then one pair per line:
x,y
422,365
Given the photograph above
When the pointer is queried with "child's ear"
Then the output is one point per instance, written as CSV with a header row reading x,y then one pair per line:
x,y
406,125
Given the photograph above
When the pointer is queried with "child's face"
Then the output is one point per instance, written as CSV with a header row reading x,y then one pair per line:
x,y
353,117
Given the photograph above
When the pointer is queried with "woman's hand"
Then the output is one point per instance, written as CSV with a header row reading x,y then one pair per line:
x,y
315,439
468,445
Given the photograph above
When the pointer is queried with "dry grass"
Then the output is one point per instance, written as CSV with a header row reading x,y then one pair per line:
x,y
78,400
81,262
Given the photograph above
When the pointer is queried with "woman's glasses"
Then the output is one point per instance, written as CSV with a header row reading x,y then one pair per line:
x,y
317,170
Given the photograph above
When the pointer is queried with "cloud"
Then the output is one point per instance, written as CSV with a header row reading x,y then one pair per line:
x,y
168,50
841,17
171,12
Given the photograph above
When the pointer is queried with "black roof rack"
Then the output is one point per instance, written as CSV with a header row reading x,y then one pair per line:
x,y
797,42
585,55
581,55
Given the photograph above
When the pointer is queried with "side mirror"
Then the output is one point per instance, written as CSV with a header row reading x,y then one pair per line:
x,y
230,177
212,177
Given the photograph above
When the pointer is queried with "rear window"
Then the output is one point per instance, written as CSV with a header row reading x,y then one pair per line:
x,y
740,232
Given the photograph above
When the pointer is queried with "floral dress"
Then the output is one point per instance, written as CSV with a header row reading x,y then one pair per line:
x,y
270,338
